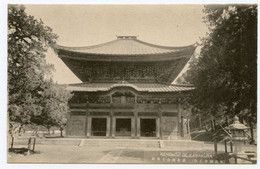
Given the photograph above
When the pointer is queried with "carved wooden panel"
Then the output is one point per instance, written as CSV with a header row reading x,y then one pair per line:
x,y
106,71
154,100
123,97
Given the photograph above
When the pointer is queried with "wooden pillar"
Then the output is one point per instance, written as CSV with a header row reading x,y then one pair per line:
x,y
111,99
113,127
158,126
132,127
89,119
135,123
86,119
138,127
111,123
216,148
108,127
182,127
188,123
179,119
160,120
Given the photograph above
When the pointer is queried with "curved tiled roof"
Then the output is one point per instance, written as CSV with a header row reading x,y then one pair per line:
x,y
125,45
142,87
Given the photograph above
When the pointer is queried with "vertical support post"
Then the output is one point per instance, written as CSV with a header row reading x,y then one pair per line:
x,y
158,127
89,126
231,147
86,119
111,99
12,142
235,159
182,128
113,127
225,146
108,127
215,148
135,123
29,146
132,127
179,118
29,143
111,122
34,141
188,126
138,127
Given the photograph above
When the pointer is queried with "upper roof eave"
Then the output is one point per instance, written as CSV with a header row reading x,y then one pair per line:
x,y
128,47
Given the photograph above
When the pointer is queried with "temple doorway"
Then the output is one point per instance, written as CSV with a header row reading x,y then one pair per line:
x,y
148,127
123,127
99,127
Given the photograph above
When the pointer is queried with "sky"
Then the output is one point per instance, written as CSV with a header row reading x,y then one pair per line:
x,y
86,25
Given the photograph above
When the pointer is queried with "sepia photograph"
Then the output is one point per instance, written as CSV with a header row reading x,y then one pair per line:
x,y
132,84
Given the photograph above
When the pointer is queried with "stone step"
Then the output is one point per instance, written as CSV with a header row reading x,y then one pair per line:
x,y
129,143
182,143
122,143
144,143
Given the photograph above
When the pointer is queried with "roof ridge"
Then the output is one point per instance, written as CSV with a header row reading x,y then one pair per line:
x,y
88,47
164,47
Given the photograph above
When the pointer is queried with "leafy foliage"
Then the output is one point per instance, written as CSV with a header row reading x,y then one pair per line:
x,y
54,106
30,94
225,74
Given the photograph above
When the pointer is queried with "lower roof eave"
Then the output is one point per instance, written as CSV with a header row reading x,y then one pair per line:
x,y
140,87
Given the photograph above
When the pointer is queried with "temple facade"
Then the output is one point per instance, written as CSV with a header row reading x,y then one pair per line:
x,y
127,90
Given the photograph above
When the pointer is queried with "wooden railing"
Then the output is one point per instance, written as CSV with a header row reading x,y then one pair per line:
x,y
237,156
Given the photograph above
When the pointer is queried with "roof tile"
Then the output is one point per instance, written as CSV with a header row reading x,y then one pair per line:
x,y
142,87
127,46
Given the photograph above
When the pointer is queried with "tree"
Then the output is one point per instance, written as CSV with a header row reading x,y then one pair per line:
x,y
54,101
28,87
225,74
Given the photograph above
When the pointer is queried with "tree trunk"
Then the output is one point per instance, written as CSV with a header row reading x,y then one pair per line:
x,y
241,119
252,132
49,132
61,129
12,141
227,124
200,123
214,124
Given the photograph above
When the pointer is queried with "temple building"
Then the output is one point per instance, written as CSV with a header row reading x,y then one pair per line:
x,y
127,90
